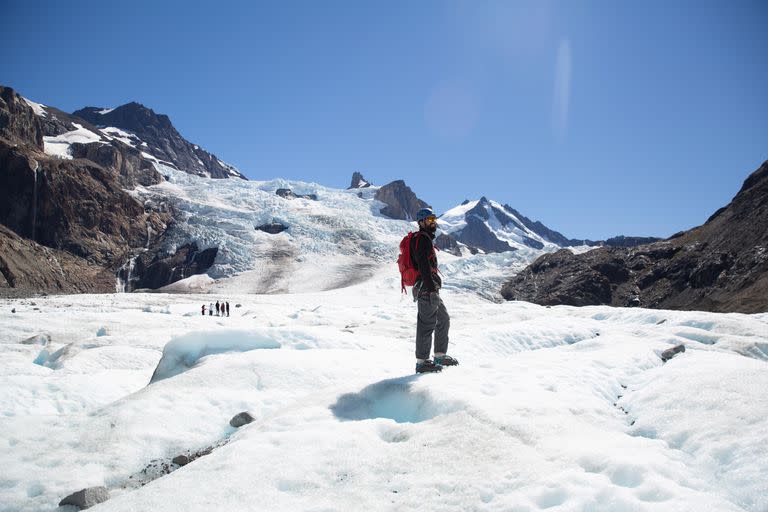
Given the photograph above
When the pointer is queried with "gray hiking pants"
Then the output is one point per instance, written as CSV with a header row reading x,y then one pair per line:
x,y
432,317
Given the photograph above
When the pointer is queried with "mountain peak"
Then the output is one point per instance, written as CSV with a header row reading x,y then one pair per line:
x,y
401,202
358,181
132,116
160,138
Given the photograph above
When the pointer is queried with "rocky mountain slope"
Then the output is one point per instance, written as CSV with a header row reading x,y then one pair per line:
x,y
719,266
66,193
358,181
27,267
400,202
155,134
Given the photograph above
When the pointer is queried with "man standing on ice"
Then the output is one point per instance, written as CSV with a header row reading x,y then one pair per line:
x,y
432,317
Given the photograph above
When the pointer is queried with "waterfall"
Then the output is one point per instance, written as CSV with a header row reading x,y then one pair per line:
x,y
34,199
131,264
123,286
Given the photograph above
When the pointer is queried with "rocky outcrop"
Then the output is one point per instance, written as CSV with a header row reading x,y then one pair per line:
x,y
69,225
240,419
131,167
628,241
401,202
72,205
162,139
672,352
18,122
56,122
152,271
477,234
719,266
86,498
272,228
359,182
447,243
28,268
287,193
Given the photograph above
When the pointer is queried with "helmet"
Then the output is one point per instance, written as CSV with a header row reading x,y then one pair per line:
x,y
423,214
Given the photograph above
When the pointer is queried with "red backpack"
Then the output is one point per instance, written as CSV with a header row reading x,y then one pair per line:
x,y
409,274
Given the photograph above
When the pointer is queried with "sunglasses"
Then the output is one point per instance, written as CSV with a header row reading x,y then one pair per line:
x,y
430,220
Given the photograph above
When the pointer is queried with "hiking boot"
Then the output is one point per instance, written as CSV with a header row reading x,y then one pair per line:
x,y
428,367
446,360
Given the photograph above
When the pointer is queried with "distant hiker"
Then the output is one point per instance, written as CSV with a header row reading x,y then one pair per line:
x,y
432,316
210,309
217,308
227,308
203,310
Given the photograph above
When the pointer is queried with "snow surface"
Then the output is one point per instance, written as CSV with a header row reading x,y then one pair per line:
x,y
581,249
551,408
38,108
59,145
123,136
105,111
231,169
149,157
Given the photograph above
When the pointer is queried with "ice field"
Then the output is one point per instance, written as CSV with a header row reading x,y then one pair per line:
x,y
555,408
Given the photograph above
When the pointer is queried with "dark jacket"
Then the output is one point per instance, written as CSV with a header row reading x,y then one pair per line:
x,y
425,260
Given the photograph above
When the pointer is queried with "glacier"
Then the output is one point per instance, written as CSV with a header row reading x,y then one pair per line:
x,y
557,408
336,241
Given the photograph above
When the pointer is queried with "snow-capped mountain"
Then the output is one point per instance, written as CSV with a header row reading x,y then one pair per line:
x,y
134,125
67,188
494,227
149,224
154,134
491,227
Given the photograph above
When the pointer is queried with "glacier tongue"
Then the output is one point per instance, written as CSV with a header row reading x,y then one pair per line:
x,y
332,242
335,241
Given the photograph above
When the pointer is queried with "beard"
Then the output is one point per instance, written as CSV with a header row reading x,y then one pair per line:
x,y
431,229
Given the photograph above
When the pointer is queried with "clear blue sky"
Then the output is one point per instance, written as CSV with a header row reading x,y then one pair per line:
x,y
597,118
